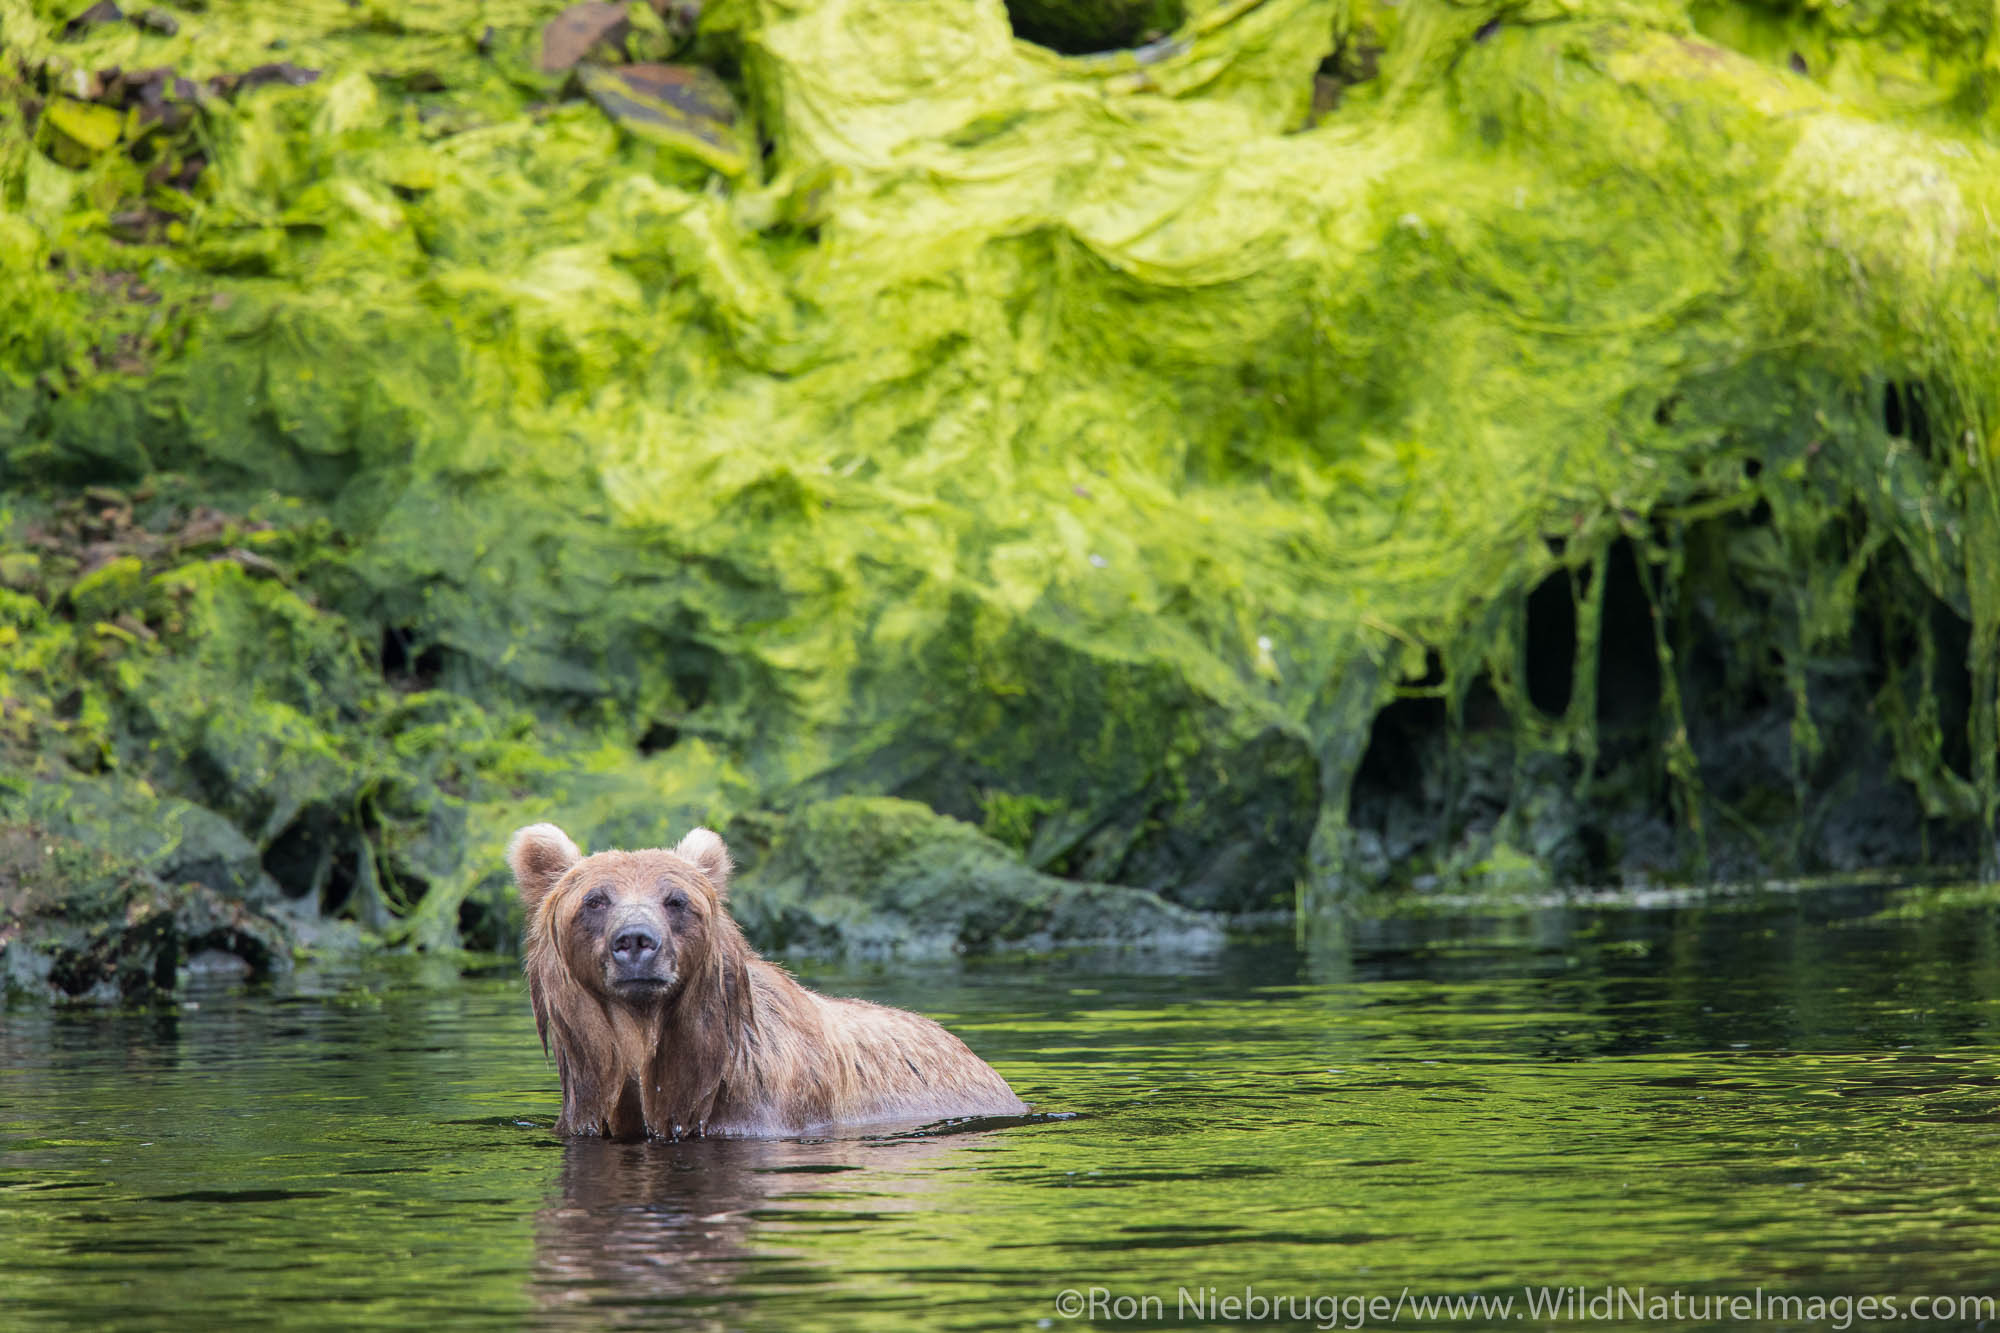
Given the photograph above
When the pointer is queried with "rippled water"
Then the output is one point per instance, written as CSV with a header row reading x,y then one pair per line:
x,y
1800,1095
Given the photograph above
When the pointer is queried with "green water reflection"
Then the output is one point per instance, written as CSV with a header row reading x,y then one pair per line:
x,y
1802,1095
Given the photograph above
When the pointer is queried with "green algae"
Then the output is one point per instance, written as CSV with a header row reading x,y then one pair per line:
x,y
1080,447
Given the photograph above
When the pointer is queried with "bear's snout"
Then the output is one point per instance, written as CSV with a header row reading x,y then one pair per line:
x,y
639,957
635,946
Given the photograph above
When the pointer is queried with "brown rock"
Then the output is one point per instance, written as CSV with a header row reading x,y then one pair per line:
x,y
104,11
572,34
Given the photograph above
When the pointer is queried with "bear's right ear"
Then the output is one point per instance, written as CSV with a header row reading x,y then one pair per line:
x,y
540,854
703,848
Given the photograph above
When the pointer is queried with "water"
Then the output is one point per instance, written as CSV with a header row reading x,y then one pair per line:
x,y
1800,1095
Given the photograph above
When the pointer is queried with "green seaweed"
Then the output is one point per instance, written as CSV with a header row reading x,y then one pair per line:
x,y
1085,440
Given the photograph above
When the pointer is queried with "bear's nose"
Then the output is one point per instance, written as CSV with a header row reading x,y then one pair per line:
x,y
634,945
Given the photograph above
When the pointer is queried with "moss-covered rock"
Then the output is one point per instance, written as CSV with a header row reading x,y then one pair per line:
x,y
1565,453
881,874
79,923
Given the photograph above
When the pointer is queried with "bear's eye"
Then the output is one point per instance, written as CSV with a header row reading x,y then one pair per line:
x,y
676,901
596,900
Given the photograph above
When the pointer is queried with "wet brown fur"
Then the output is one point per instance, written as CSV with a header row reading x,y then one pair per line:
x,y
732,1045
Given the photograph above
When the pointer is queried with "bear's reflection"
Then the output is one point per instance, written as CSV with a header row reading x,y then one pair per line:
x,y
639,1223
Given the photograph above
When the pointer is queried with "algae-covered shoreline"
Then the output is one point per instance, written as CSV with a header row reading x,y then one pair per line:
x,y
1018,497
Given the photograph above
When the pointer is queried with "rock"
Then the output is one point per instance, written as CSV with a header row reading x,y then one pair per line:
x,y
282,71
879,875
684,107
571,36
104,11
86,129
80,924
166,839
162,96
214,963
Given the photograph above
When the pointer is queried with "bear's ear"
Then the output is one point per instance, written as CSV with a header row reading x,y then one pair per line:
x,y
540,854
704,849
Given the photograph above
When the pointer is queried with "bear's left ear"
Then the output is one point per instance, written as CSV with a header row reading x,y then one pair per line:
x,y
540,854
703,847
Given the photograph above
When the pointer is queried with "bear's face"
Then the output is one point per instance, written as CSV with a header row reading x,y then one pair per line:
x,y
630,927
629,924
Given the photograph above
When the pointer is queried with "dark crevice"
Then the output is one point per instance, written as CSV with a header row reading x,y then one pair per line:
x,y
483,928
1084,27
313,858
1393,762
1392,766
298,857
1551,644
693,676
340,881
1793,762
1904,415
1482,709
1628,662
1354,60
406,658
1951,686
343,877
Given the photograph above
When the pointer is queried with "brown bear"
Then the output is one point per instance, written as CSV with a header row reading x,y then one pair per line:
x,y
665,1023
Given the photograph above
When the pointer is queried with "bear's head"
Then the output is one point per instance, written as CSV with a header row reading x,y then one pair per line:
x,y
631,927
639,978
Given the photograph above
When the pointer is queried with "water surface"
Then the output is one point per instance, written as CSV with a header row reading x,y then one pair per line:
x,y
1799,1095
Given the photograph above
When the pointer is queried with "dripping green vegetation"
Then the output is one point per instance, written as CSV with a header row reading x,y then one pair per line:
x,y
1027,474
